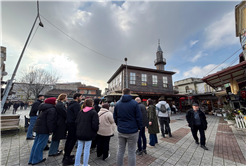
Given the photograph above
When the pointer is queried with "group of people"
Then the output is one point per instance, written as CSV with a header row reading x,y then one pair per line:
x,y
92,125
16,105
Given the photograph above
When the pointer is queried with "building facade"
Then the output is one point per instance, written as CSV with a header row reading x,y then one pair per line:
x,y
70,85
89,91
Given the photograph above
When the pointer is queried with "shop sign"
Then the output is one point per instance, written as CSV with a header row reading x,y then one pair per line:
x,y
243,93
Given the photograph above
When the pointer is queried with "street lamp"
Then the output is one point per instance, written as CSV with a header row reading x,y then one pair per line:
x,y
9,84
126,74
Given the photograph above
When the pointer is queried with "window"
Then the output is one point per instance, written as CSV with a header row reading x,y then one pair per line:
x,y
132,78
154,80
144,80
164,82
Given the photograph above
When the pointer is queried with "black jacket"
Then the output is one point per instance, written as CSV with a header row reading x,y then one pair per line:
x,y
6,105
144,114
46,120
35,107
73,109
190,118
87,125
96,105
16,105
60,131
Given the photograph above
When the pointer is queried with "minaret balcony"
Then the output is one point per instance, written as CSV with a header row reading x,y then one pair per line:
x,y
160,61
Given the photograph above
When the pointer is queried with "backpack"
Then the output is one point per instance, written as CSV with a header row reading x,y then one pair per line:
x,y
163,108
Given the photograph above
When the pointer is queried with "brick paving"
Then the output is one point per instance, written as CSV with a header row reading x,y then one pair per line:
x,y
222,120
144,160
226,147
176,135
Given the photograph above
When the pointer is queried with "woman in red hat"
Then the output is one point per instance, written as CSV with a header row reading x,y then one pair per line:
x,y
43,127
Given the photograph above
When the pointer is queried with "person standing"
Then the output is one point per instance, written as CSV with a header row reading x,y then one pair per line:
x,y
111,108
72,112
142,149
197,121
163,112
97,108
87,124
22,105
43,127
15,107
128,118
33,116
105,131
153,128
26,105
60,131
5,107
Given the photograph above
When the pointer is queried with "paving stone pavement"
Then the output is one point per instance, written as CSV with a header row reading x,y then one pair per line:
x,y
227,147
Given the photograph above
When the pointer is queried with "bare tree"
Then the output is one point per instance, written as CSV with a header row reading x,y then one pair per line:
x,y
38,80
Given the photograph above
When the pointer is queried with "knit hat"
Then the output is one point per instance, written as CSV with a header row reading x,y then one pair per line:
x,y
51,100
112,104
106,105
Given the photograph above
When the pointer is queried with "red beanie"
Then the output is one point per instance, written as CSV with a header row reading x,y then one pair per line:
x,y
51,100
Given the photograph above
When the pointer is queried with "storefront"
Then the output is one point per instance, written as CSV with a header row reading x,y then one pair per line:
x,y
235,93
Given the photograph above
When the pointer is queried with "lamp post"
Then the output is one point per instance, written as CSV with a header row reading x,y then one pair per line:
x,y
9,84
126,74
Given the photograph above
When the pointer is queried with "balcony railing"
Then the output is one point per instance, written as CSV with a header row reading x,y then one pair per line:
x,y
160,60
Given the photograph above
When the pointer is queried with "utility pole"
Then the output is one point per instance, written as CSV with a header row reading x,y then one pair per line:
x,y
126,74
9,84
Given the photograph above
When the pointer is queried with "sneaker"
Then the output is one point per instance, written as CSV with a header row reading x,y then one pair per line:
x,y
150,146
139,153
107,157
30,138
204,147
170,135
46,147
197,142
144,151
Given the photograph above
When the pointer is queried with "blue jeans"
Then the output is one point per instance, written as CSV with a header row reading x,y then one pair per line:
x,y
86,152
142,136
31,125
54,147
153,139
38,147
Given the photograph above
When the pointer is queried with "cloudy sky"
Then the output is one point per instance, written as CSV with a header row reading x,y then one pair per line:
x,y
195,37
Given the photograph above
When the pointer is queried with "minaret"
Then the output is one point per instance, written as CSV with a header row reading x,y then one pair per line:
x,y
160,62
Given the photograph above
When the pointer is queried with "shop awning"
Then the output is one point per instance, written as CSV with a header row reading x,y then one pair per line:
x,y
119,94
220,78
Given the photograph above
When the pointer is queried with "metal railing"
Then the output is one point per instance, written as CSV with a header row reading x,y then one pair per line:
x,y
160,60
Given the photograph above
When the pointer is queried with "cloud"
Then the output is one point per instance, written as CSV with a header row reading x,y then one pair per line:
x,y
128,29
197,56
199,71
192,43
221,33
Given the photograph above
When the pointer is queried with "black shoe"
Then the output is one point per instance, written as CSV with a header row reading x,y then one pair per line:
x,y
57,154
204,147
163,135
68,161
144,151
30,138
170,135
139,153
46,147
107,157
40,161
197,142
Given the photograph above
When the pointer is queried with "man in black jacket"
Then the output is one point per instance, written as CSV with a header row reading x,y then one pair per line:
x,y
5,107
72,112
197,121
142,149
33,116
15,107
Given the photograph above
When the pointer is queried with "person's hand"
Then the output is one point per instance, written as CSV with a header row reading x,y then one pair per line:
x,y
150,123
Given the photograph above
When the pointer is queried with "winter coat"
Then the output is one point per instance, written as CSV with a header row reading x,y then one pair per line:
x,y
190,118
127,115
96,105
158,111
16,105
60,132
35,108
154,128
6,105
72,111
144,114
106,122
46,120
87,125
